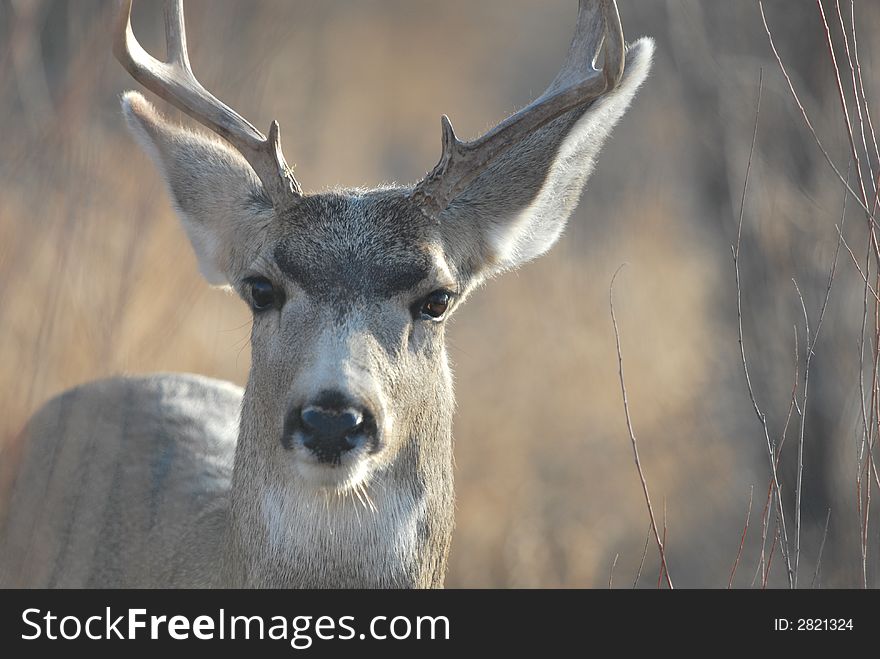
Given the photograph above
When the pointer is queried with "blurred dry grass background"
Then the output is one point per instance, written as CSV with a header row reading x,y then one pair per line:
x,y
96,276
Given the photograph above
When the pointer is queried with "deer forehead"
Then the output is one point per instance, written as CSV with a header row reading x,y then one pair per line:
x,y
351,244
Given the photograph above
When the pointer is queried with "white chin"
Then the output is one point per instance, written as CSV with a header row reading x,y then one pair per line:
x,y
341,477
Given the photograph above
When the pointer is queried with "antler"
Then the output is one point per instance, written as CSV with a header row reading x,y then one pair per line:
x,y
174,81
576,84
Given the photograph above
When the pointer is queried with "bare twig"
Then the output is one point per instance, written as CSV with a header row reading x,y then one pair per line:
x,y
793,402
866,516
762,418
765,517
770,558
844,107
611,573
856,264
765,520
869,419
662,566
867,423
644,556
807,121
632,436
821,548
808,360
812,339
742,540
855,88
800,454
862,95
811,347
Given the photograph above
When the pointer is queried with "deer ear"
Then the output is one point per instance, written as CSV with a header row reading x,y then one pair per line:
x,y
218,197
518,207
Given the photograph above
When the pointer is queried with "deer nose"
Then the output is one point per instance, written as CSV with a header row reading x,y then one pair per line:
x,y
330,426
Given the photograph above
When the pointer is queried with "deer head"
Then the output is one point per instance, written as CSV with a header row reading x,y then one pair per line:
x,y
350,290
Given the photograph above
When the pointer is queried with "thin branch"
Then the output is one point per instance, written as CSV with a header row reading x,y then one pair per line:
x,y
792,405
611,573
872,467
793,402
632,435
866,518
762,418
855,88
742,540
867,423
812,339
856,264
662,566
800,453
821,548
770,558
644,556
765,520
810,348
842,95
809,124
863,498
862,94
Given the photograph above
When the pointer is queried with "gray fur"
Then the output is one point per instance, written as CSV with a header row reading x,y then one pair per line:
x,y
132,481
124,483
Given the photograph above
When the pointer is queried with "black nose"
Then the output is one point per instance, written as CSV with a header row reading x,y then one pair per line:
x,y
329,426
332,424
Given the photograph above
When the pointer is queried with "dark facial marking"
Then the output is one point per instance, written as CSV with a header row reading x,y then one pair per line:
x,y
338,276
345,247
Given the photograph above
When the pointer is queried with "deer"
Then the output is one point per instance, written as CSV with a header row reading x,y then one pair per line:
x,y
333,466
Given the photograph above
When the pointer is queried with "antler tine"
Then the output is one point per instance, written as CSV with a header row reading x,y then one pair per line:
x,y
462,162
175,82
175,36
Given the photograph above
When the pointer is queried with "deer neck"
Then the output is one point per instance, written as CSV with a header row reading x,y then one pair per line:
x,y
394,532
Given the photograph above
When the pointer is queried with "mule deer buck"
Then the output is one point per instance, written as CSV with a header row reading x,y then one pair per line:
x,y
333,467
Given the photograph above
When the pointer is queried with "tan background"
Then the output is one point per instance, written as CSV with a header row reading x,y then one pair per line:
x,y
96,276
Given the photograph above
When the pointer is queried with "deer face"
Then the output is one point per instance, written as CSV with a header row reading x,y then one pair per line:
x,y
350,291
350,294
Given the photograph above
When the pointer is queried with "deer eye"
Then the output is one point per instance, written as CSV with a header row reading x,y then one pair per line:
x,y
263,295
435,305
